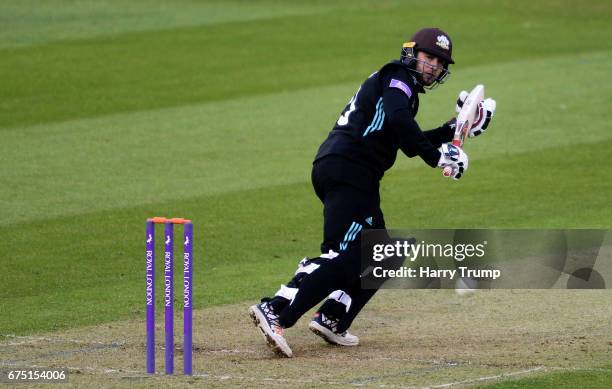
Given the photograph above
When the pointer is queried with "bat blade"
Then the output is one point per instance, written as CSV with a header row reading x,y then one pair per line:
x,y
466,117
468,114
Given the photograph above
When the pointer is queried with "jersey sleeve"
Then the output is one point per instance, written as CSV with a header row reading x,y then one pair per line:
x,y
397,94
442,134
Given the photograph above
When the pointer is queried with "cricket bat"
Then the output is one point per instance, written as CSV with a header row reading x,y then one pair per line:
x,y
465,119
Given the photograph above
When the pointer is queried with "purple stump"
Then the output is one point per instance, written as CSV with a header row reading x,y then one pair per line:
x,y
168,295
187,297
150,295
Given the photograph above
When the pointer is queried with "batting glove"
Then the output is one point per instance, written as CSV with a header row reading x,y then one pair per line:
x,y
486,110
453,157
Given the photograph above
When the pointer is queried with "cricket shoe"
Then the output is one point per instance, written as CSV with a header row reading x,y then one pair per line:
x,y
266,320
326,328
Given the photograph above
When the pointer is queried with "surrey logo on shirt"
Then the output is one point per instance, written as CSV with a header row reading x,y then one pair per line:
x,y
443,42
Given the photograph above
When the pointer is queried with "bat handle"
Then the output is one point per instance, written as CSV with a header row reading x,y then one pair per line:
x,y
447,171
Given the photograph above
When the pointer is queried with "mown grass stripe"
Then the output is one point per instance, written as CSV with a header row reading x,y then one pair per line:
x,y
93,77
58,268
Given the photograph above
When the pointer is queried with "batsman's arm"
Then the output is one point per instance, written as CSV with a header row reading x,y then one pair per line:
x,y
442,134
412,141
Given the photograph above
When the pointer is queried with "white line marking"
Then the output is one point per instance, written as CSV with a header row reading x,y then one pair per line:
x,y
503,375
488,378
36,339
581,369
135,374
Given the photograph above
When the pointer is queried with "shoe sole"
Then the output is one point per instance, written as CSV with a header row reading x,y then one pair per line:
x,y
327,335
282,350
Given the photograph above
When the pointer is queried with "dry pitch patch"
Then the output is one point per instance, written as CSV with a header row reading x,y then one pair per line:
x,y
408,339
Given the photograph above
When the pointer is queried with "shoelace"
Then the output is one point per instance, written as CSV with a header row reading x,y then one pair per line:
x,y
270,315
332,324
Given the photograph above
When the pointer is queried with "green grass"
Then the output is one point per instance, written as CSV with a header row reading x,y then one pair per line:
x,y
588,378
244,251
115,111
177,153
30,22
173,66
214,111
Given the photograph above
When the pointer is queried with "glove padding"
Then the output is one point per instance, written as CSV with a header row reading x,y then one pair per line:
x,y
484,114
453,157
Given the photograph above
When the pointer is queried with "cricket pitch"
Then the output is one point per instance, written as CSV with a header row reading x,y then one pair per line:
x,y
408,338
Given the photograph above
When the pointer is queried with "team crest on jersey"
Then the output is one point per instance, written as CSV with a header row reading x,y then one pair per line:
x,y
443,42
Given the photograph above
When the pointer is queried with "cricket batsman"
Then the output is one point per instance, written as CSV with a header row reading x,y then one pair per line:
x,y
378,121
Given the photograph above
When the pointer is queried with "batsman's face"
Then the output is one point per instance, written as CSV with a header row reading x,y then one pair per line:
x,y
429,66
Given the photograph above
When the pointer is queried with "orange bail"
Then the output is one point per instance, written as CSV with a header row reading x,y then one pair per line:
x,y
157,220
179,220
174,220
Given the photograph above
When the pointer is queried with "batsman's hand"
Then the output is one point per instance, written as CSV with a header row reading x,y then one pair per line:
x,y
486,110
454,158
